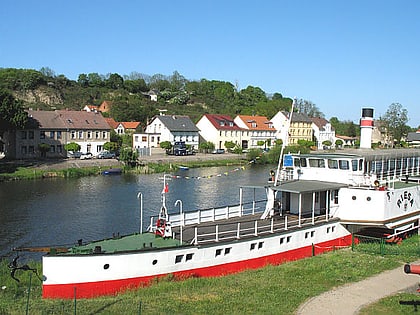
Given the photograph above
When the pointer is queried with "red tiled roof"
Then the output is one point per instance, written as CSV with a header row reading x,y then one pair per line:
x,y
222,122
261,122
111,122
130,124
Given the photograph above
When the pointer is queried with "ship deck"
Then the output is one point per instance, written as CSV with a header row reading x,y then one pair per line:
x,y
240,227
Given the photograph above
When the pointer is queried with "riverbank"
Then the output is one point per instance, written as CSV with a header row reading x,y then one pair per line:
x,y
155,163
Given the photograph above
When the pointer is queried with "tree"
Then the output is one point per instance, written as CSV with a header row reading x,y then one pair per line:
x,y
308,108
72,146
44,148
167,145
111,146
206,146
12,114
395,121
129,156
229,145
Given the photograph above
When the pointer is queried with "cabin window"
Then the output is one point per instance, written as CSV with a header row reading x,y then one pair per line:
x,y
281,240
332,164
320,163
354,165
334,196
288,239
296,162
260,245
303,162
312,233
178,258
328,229
218,252
344,164
189,256
227,250
332,229
353,198
360,165
368,199
252,247
306,234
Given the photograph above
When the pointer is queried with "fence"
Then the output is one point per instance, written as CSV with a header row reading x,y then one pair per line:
x,y
386,246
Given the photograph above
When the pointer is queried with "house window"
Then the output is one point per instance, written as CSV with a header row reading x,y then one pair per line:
x,y
80,134
104,135
73,134
143,139
52,134
89,134
31,149
58,134
59,148
23,134
23,150
31,134
158,140
97,134
42,135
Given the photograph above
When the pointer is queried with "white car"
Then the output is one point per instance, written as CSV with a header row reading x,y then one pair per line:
x,y
86,156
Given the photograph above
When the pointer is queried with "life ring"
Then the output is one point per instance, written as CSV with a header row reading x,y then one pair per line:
x,y
160,227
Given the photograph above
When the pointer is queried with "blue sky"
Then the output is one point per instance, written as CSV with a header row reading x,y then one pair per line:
x,y
340,55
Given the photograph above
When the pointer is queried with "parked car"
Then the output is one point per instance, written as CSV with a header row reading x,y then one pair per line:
x,y
74,155
86,156
218,151
106,155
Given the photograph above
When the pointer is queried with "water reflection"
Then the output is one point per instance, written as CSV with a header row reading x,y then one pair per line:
x,y
59,212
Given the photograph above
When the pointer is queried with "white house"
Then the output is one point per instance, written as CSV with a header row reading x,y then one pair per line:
x,y
220,128
174,128
323,131
257,129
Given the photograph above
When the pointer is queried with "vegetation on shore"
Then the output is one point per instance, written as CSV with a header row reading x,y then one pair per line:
x,y
270,290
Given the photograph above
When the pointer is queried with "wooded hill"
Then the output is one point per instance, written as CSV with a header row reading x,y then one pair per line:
x,y
128,94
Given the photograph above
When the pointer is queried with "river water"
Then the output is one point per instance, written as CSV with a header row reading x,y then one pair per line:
x,y
59,211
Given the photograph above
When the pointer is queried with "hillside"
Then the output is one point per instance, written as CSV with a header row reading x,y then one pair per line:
x,y
128,94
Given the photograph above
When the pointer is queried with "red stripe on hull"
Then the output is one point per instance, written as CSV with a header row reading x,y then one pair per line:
x,y
111,287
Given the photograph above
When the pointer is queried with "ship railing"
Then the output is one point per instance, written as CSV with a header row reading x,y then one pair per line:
x,y
214,214
246,229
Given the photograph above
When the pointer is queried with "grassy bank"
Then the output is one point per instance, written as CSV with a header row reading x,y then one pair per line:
x,y
30,172
270,290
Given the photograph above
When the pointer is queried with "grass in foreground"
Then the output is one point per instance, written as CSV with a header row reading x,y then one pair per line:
x,y
270,290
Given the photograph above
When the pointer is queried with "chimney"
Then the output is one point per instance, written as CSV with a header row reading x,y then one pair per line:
x,y
366,126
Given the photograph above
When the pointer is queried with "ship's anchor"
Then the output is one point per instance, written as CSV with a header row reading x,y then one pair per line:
x,y
14,267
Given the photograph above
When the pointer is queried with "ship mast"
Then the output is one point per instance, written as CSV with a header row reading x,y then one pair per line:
x,y
284,144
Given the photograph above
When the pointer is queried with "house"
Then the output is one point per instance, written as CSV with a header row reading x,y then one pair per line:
x,y
152,95
105,107
174,128
122,128
91,108
322,131
347,141
258,131
413,138
300,127
59,127
380,134
220,128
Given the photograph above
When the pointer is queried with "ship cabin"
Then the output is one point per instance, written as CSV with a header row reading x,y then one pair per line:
x,y
338,168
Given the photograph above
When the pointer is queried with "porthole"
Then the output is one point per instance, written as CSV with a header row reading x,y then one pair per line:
x,y
154,262
106,266
368,199
353,197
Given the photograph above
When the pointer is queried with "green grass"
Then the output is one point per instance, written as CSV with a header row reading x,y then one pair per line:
x,y
270,290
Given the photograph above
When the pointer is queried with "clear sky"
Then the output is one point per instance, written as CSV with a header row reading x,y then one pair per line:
x,y
340,55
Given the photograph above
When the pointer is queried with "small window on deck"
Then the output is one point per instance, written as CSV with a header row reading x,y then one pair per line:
x,y
281,240
188,257
320,163
303,162
260,245
218,252
344,164
288,239
252,247
333,164
354,164
227,250
178,258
